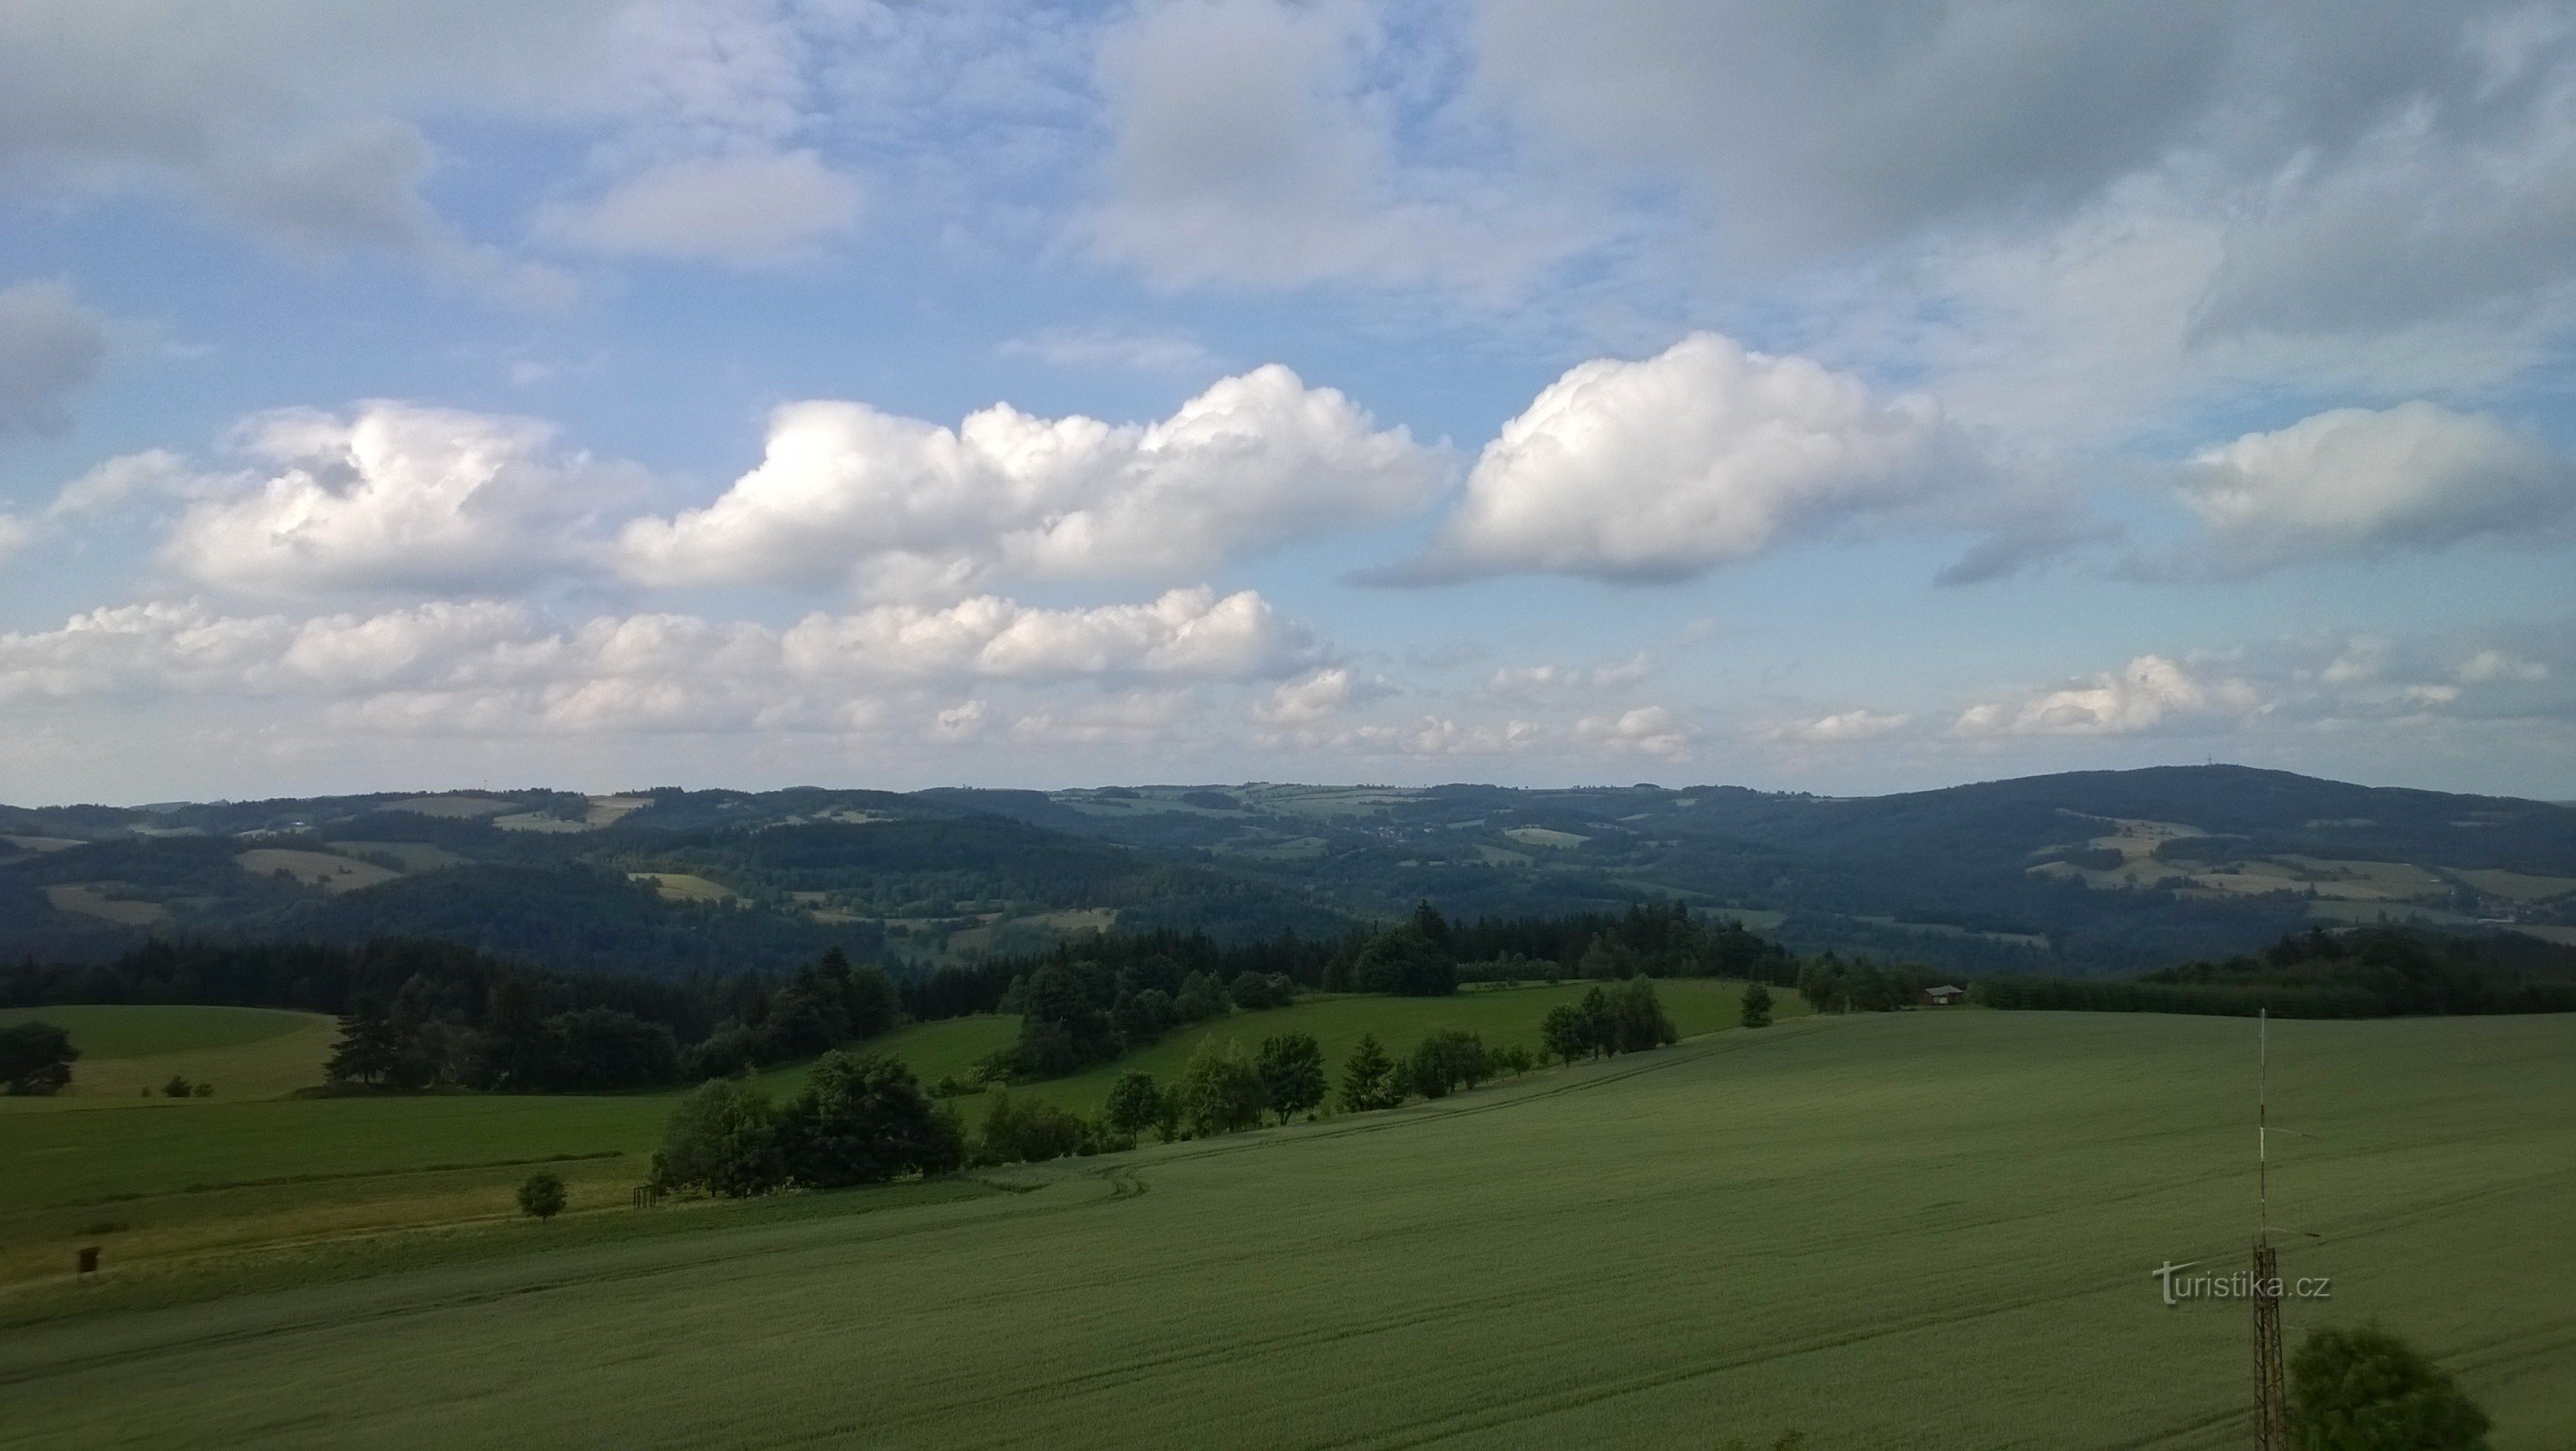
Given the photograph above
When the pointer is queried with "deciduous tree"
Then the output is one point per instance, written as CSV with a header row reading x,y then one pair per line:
x,y
35,1058
1291,1066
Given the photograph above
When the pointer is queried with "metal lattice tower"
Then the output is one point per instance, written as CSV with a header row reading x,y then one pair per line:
x,y
2271,1399
2271,1403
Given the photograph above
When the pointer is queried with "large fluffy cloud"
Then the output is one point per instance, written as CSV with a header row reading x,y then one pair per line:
x,y
50,349
905,505
1705,454
2358,481
391,496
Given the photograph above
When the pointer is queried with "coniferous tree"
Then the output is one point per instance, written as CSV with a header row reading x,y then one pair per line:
x,y
369,1051
1368,1078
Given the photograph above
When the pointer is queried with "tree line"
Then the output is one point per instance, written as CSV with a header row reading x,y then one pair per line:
x,y
866,1118
2373,972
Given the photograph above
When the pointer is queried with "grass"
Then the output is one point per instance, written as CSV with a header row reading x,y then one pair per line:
x,y
327,870
683,887
247,1053
184,1177
1921,1230
1503,1016
95,899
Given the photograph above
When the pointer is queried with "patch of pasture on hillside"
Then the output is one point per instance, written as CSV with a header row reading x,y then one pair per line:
x,y
1928,1230
683,887
129,1051
415,856
1546,836
454,807
327,870
103,900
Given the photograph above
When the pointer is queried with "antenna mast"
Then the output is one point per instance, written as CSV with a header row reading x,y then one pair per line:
x,y
2271,1400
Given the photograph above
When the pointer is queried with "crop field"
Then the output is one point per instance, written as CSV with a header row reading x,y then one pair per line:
x,y
244,1052
1921,1230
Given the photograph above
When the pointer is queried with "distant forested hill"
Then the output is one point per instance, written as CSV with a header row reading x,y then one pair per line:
x,y
2076,873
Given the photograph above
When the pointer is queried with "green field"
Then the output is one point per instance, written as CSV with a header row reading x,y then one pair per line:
x,y
1503,1016
1921,1230
246,1053
166,1179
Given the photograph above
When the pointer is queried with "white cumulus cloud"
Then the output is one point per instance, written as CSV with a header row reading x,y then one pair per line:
x,y
2355,481
1705,454
2150,691
391,496
905,506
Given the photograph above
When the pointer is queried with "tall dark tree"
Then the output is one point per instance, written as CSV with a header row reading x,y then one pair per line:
x,y
1405,960
368,1052
1291,1066
35,1058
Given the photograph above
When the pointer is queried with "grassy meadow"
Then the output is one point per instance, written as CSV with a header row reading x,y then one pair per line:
x,y
246,1053
1923,1229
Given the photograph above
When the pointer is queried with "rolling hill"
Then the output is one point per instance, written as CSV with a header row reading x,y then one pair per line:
x,y
2089,871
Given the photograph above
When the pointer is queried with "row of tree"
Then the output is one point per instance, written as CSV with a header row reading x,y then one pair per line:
x,y
2374,972
862,1119
511,1036
1426,954
1083,1011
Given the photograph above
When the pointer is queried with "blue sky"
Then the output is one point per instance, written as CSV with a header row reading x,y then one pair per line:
x,y
1839,397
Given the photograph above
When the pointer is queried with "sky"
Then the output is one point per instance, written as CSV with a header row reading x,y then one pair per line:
x,y
1839,397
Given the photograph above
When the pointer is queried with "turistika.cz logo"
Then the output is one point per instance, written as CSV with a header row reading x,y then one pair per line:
x,y
2241,1285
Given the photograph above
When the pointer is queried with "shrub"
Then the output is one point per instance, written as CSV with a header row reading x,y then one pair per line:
x,y
1757,1005
1016,1133
541,1195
